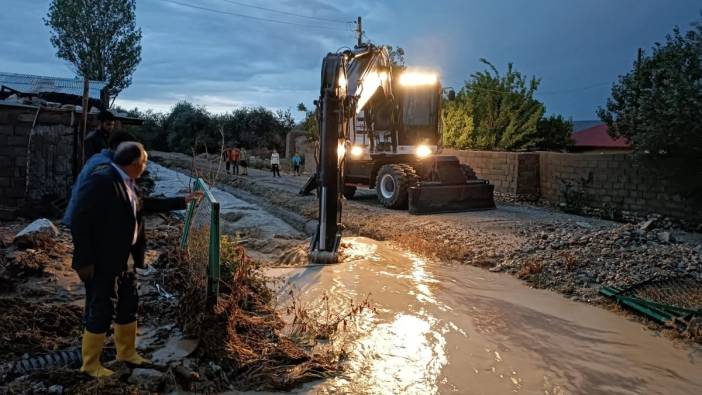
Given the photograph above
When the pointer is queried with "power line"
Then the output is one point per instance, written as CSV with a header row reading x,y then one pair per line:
x,y
286,12
536,92
256,18
582,88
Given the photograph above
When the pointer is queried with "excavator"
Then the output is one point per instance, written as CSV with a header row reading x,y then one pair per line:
x,y
380,128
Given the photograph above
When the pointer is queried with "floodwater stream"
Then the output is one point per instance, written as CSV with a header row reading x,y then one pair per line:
x,y
460,329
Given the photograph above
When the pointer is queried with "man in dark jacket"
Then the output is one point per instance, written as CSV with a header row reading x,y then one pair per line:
x,y
109,242
97,140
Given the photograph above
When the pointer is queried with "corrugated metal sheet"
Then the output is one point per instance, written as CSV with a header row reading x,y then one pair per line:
x,y
36,84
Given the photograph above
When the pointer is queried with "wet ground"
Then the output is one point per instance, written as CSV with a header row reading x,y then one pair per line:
x,y
443,328
461,329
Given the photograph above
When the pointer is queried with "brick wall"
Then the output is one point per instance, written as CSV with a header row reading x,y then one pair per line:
x,y
611,185
35,164
608,185
511,172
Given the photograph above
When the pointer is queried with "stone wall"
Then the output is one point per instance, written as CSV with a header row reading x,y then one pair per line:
x,y
611,185
511,172
36,158
608,185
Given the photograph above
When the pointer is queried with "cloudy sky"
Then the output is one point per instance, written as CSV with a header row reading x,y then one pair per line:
x,y
235,58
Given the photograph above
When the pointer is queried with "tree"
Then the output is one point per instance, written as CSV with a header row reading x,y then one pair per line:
x,y
554,133
657,107
494,112
191,128
310,124
397,55
98,37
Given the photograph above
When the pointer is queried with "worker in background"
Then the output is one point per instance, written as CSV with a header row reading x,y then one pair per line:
x,y
97,139
102,158
244,162
226,152
296,162
109,244
235,156
275,163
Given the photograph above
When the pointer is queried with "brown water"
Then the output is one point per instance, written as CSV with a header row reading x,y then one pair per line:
x,y
460,329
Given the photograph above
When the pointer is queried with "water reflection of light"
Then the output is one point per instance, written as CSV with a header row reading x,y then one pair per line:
x,y
403,356
354,249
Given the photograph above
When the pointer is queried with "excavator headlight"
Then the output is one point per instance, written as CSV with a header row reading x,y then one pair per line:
x,y
409,78
423,151
356,151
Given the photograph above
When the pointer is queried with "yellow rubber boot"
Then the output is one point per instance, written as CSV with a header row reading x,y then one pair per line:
x,y
91,348
125,341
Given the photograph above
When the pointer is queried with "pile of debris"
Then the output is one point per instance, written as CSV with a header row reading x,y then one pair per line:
x,y
241,345
577,259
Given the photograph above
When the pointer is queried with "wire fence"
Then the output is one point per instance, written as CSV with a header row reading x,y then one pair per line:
x,y
681,292
200,239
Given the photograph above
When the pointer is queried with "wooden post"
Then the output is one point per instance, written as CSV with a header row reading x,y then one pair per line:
x,y
84,119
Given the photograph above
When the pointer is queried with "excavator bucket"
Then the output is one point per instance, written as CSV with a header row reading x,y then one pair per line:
x,y
431,198
454,188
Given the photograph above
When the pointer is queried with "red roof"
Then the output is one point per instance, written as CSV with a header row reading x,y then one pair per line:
x,y
597,137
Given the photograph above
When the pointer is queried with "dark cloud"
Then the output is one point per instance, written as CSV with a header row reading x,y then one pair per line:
x,y
578,47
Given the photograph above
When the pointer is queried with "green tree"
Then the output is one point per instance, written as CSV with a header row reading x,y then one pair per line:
x,y
657,107
554,133
98,37
152,133
493,111
191,128
309,124
397,55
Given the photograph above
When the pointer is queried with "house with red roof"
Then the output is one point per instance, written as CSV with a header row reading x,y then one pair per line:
x,y
596,139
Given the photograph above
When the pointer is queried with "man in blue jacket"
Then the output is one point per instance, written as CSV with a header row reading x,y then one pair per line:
x,y
103,158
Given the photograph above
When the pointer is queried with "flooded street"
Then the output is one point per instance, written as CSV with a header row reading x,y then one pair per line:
x,y
461,329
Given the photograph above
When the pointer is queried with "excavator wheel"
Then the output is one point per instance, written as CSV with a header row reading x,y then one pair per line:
x,y
411,173
392,185
468,172
349,191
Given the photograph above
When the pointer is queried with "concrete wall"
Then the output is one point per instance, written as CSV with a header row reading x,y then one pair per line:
x,y
610,185
36,164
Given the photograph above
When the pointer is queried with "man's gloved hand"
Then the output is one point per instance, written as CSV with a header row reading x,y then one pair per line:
x,y
197,196
86,273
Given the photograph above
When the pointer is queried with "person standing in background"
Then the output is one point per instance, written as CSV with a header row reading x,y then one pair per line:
x,y
296,162
235,157
244,156
96,140
275,163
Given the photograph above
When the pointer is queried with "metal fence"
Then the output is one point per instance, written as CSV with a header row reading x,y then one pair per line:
x,y
662,300
201,239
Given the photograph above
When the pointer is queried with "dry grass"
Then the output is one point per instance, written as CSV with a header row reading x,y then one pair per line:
x,y
531,267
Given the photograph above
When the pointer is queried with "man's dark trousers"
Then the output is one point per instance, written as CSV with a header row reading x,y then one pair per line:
x,y
100,309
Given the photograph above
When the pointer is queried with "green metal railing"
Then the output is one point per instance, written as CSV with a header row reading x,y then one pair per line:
x,y
202,219
661,300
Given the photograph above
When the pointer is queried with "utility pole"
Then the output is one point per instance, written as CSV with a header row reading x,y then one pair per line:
x,y
84,119
359,33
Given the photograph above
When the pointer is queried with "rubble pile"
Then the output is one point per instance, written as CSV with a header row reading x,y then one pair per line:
x,y
577,259
241,346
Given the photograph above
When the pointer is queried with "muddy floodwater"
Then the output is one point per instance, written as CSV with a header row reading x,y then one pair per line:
x,y
460,329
